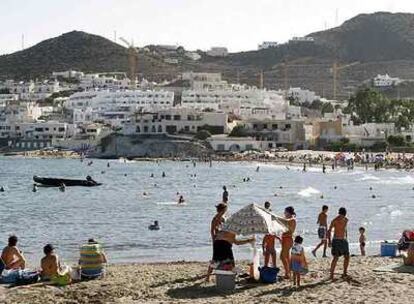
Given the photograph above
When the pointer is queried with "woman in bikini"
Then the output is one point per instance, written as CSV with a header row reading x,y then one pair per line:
x,y
287,239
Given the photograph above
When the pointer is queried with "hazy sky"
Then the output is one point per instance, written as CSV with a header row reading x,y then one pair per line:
x,y
237,24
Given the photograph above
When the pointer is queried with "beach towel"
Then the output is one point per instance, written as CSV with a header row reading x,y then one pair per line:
x,y
397,267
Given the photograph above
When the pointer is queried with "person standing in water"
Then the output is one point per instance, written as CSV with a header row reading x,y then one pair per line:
x,y
362,240
339,243
181,200
322,230
304,167
287,239
323,168
225,199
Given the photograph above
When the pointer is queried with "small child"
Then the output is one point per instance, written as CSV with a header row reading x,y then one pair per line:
x,y
299,265
362,240
269,250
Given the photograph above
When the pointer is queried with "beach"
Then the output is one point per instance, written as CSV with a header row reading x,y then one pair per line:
x,y
182,282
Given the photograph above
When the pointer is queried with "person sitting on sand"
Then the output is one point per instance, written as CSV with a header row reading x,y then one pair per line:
x,y
362,240
92,260
12,256
50,264
408,258
322,231
299,265
339,244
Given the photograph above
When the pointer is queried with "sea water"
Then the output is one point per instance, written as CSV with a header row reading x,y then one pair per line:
x,y
119,212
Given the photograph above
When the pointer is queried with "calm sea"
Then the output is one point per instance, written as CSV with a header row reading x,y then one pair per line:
x,y
118,214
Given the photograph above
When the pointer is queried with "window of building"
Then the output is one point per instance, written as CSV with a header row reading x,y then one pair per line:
x,y
145,129
153,130
138,129
61,129
159,129
177,117
288,126
274,126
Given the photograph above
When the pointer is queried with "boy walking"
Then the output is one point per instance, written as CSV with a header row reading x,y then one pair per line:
x,y
322,231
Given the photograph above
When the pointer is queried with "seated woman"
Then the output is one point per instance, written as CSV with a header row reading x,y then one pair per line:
x,y
222,248
92,260
50,264
11,256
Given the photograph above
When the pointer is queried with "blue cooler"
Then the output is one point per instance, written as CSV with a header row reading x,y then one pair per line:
x,y
268,275
388,249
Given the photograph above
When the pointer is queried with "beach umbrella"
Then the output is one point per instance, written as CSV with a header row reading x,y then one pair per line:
x,y
254,219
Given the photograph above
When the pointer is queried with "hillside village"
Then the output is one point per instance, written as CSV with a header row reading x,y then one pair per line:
x,y
74,110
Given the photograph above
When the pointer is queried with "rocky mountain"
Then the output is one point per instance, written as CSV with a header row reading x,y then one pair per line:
x,y
362,47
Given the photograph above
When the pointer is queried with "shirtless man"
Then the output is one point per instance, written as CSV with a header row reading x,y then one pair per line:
x,y
12,256
322,230
50,263
339,243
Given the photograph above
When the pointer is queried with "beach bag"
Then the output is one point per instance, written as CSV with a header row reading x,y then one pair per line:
x,y
28,277
61,279
10,276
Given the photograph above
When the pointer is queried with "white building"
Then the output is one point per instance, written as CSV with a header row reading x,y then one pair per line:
x,y
115,107
267,44
218,52
302,95
193,55
302,39
175,121
232,100
222,143
205,81
69,74
385,81
102,81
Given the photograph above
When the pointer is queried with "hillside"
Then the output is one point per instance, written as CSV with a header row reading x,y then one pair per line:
x,y
374,43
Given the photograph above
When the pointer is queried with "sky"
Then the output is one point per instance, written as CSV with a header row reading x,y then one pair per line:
x,y
195,24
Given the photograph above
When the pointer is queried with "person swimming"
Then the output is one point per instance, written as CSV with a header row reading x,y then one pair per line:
x,y
34,189
62,187
181,200
2,189
152,175
258,169
163,174
154,226
108,165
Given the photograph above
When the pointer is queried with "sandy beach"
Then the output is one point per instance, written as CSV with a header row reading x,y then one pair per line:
x,y
182,282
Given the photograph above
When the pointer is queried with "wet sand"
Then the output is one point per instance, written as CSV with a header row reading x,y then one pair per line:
x,y
183,282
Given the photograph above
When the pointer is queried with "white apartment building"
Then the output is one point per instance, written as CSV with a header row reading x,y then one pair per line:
x,y
267,45
223,143
218,51
231,100
99,81
175,121
302,95
385,81
205,81
115,107
69,74
37,130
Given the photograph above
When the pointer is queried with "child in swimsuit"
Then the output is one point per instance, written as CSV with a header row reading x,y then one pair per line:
x,y
269,250
362,240
299,264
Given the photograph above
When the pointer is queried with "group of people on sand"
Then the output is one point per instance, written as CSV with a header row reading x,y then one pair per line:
x,y
91,264
292,253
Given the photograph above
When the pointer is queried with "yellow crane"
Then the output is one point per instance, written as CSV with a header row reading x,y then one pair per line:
x,y
334,70
132,59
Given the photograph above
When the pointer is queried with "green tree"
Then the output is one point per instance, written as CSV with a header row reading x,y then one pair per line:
x,y
396,140
370,106
239,131
202,135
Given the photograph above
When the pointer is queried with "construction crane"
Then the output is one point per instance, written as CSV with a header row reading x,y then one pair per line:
x,y
132,59
334,70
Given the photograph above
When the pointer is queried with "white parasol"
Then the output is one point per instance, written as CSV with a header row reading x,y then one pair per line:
x,y
254,219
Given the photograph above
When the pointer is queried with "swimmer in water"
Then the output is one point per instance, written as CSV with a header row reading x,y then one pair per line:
x,y
304,167
335,187
258,168
2,189
34,188
154,226
287,168
108,165
152,175
373,196
181,200
323,168
144,193
62,188
163,174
